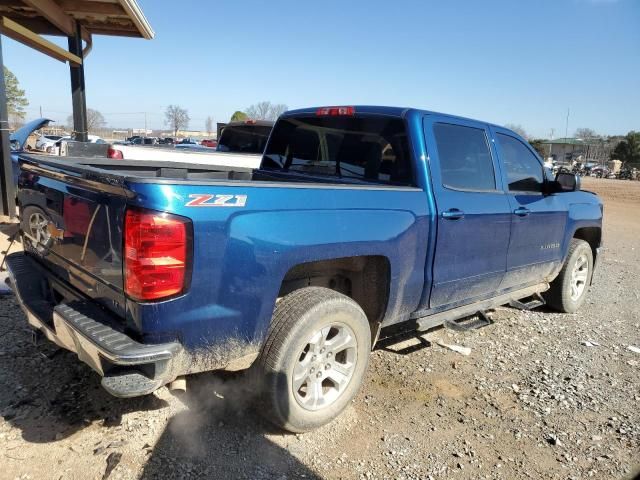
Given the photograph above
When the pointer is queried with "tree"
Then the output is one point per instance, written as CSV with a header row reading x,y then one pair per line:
x,y
628,149
177,118
266,110
539,146
16,100
518,129
208,125
585,134
238,116
95,119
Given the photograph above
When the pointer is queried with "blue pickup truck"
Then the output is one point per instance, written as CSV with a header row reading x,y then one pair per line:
x,y
359,221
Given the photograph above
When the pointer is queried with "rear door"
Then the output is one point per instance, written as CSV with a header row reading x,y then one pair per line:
x,y
538,220
473,212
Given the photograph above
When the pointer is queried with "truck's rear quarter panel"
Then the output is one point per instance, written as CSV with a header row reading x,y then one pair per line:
x,y
242,254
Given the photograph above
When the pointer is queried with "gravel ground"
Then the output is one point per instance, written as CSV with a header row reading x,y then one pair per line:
x,y
542,395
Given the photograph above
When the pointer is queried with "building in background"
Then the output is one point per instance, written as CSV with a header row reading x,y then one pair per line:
x,y
568,151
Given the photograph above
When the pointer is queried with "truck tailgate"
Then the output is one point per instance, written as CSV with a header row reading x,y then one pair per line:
x,y
73,224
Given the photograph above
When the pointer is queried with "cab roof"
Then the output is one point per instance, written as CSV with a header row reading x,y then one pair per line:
x,y
384,110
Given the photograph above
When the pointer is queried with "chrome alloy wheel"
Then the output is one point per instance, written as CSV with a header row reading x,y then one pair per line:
x,y
325,366
39,228
579,276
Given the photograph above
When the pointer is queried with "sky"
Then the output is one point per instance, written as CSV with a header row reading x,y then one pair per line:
x,y
503,61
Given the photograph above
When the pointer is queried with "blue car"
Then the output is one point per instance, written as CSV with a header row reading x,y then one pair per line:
x,y
360,222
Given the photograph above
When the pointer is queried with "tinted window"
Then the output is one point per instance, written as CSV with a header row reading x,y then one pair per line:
x,y
363,148
465,160
524,171
244,138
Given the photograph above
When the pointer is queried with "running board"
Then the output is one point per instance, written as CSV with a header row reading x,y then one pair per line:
x,y
437,319
535,302
479,320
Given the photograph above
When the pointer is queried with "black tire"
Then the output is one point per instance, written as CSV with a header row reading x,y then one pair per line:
x,y
290,344
560,296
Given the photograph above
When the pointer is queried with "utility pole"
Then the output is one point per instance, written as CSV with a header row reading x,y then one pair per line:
x,y
551,140
566,130
145,124
40,111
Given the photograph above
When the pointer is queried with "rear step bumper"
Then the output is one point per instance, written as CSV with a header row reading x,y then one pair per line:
x,y
129,368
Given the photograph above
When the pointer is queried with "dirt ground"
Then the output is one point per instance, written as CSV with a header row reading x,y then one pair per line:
x,y
542,395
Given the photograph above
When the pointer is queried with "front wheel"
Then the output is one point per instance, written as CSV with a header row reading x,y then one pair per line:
x,y
569,290
314,358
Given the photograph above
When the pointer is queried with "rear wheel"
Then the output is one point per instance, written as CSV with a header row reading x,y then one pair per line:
x,y
569,290
314,358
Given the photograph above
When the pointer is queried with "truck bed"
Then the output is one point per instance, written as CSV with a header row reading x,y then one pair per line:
x,y
111,169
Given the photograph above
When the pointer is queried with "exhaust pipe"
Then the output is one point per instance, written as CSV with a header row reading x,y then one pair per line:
x,y
178,385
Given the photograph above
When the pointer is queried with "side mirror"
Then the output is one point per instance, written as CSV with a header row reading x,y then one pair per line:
x,y
567,182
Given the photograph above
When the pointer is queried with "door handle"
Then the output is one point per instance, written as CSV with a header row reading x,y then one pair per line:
x,y
522,212
453,214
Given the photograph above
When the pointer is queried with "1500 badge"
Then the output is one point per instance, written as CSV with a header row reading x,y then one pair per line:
x,y
209,200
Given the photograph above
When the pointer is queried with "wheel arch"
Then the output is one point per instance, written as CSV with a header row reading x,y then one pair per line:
x,y
364,279
591,235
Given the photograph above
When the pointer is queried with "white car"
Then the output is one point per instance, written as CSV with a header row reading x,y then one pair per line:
x,y
44,141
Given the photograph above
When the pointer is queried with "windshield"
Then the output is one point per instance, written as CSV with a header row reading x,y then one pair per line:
x,y
368,148
53,137
244,138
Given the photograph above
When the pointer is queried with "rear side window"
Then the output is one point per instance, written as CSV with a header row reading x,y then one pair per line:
x,y
465,159
372,149
524,171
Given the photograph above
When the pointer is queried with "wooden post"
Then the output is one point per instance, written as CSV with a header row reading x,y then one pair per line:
x,y
78,90
7,186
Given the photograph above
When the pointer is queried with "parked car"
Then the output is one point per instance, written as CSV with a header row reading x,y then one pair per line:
x,y
145,141
210,143
599,172
359,220
183,153
248,136
45,141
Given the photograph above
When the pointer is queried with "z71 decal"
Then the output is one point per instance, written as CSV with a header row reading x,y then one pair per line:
x,y
209,200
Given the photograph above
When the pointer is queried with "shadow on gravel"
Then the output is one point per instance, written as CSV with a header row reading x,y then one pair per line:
x,y
47,393
221,435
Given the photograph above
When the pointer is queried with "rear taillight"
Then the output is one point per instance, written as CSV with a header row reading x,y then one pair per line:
x,y
335,111
114,153
156,250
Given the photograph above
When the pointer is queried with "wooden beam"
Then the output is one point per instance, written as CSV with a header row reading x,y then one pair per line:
x,y
36,24
23,35
84,6
56,15
116,31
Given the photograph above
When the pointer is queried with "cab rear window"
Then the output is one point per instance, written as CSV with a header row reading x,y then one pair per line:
x,y
244,138
372,149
